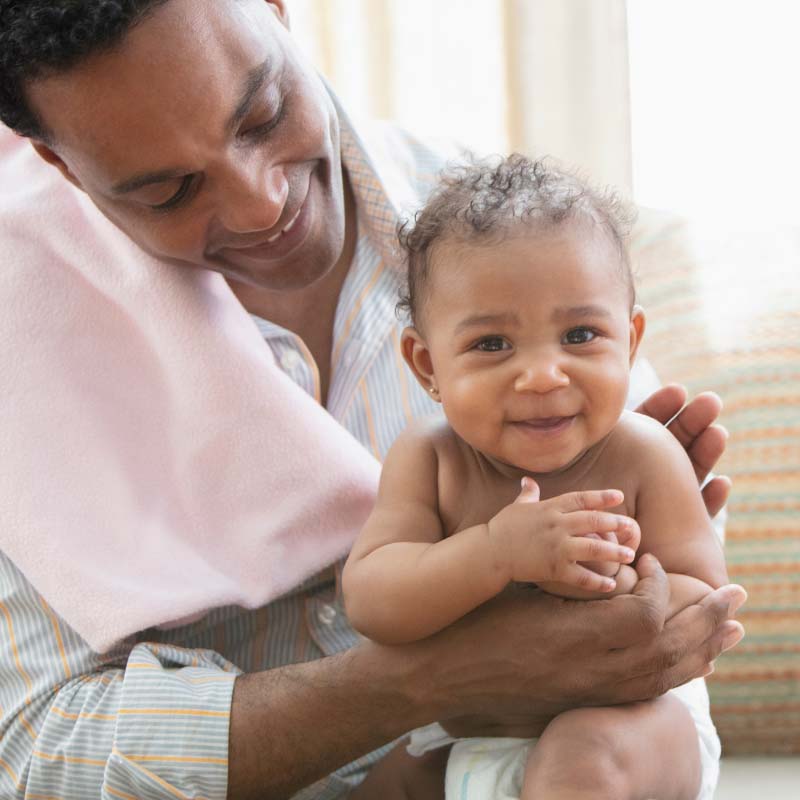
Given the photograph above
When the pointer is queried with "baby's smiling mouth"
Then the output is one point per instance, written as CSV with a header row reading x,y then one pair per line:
x,y
545,424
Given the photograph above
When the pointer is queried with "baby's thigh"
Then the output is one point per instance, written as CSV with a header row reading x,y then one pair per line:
x,y
400,776
647,749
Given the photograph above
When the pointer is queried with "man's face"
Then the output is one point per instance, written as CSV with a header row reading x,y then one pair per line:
x,y
207,139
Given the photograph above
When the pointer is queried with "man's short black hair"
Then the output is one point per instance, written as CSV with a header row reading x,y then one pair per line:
x,y
39,38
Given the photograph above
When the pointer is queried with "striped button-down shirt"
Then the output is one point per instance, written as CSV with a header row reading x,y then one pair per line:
x,y
150,719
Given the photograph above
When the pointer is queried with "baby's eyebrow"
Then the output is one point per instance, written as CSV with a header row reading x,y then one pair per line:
x,y
480,320
571,312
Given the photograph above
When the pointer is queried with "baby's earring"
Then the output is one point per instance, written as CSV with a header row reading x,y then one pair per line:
x,y
434,391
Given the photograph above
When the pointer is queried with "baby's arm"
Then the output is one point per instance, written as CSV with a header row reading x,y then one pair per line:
x,y
405,579
397,585
672,516
674,521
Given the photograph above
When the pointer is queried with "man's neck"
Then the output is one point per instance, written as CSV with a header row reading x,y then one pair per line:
x,y
310,313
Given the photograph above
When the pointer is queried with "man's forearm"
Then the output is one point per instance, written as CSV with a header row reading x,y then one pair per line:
x,y
518,659
294,725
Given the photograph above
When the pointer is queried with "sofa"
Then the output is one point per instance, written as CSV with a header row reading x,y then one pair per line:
x,y
723,314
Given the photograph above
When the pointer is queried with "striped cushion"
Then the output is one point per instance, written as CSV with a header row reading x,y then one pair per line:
x,y
724,315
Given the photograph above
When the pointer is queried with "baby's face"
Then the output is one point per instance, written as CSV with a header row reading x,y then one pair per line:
x,y
530,343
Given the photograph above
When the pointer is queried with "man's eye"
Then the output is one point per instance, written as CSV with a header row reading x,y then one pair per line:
x,y
491,344
177,198
578,336
260,132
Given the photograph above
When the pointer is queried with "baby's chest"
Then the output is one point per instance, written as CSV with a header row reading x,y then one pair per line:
x,y
475,502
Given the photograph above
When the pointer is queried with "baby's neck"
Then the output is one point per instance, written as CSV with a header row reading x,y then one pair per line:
x,y
550,483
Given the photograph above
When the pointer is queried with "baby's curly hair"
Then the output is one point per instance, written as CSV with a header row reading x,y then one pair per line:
x,y
483,200
44,37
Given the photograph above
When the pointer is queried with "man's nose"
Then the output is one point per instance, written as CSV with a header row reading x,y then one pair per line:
x,y
253,199
541,374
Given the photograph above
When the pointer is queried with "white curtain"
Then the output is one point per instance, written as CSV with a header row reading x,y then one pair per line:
x,y
546,77
568,78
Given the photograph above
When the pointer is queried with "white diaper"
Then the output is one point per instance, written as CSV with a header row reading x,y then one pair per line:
x,y
492,769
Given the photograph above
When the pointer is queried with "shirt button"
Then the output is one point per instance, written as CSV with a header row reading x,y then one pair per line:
x,y
326,614
290,360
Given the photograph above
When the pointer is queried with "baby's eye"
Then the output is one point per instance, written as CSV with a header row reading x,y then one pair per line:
x,y
578,336
491,344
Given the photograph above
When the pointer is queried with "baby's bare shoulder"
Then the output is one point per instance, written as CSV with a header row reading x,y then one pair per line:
x,y
646,442
431,435
432,431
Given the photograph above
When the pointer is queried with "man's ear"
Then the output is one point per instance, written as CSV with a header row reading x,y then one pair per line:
x,y
281,12
51,157
637,331
418,357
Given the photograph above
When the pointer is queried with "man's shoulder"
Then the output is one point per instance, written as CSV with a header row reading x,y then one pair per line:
x,y
405,159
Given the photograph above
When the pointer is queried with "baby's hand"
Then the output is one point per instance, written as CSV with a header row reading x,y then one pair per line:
x,y
545,541
608,568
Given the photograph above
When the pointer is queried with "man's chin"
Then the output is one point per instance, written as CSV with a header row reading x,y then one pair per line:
x,y
269,277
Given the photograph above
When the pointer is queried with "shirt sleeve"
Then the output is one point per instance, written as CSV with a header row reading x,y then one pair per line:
x,y
146,721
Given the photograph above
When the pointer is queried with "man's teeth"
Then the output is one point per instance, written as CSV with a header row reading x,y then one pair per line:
x,y
286,229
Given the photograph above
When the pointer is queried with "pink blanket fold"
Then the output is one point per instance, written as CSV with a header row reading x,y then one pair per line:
x,y
154,461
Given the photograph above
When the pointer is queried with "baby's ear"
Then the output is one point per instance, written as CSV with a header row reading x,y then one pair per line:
x,y
418,357
637,331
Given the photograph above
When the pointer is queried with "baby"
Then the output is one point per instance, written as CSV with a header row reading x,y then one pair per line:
x,y
525,328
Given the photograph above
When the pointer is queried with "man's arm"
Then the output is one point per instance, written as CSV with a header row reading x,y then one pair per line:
x,y
165,722
505,669
148,721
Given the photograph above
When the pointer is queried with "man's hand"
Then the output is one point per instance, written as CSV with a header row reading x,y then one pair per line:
x,y
693,426
516,662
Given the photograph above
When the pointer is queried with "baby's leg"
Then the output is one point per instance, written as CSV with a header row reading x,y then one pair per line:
x,y
631,752
400,776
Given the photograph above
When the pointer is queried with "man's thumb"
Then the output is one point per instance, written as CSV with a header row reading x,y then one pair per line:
x,y
529,492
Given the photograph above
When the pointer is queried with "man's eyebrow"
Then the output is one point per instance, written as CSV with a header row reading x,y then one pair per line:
x,y
138,181
480,320
255,80
580,311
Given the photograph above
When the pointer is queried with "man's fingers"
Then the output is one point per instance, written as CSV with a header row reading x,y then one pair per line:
x,y
706,449
693,425
696,663
715,494
645,609
694,428
664,404
699,622
700,663
725,601
695,636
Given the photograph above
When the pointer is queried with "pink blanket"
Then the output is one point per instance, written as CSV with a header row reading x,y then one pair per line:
x,y
154,461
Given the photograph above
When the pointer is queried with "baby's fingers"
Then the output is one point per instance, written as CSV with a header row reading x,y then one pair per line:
x,y
629,534
582,578
584,501
586,548
579,523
